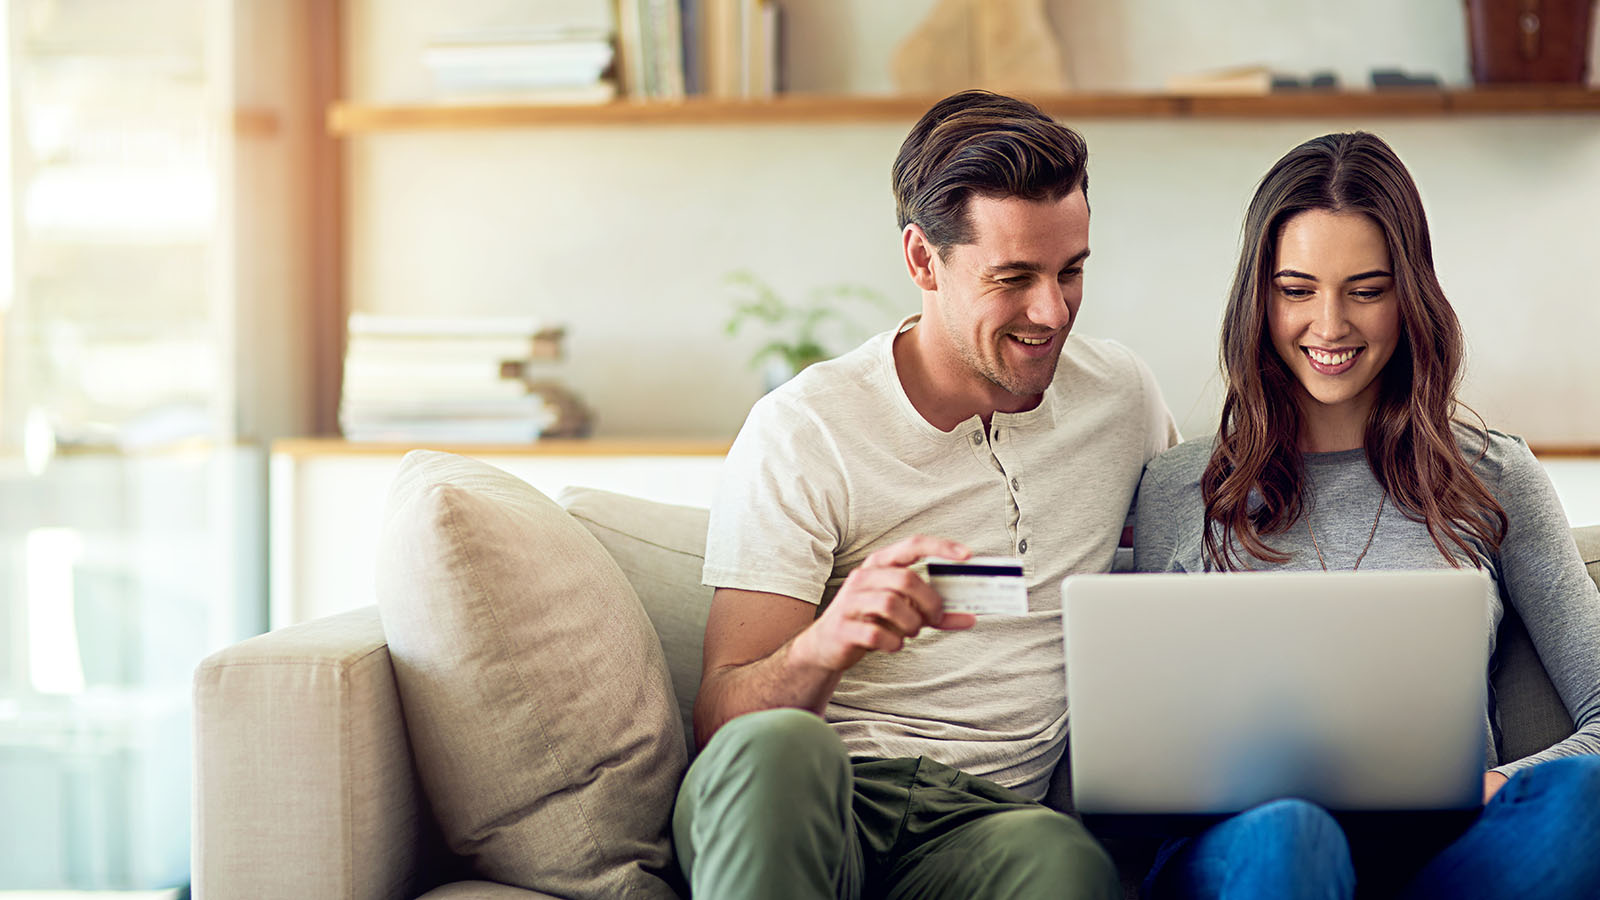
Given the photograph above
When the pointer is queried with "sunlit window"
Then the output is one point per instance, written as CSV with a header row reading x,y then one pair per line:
x,y
121,523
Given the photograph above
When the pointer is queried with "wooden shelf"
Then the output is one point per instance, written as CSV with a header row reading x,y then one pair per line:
x,y
1565,451
304,447
348,118
664,446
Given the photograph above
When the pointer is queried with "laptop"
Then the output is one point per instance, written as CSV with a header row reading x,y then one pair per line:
x,y
1191,697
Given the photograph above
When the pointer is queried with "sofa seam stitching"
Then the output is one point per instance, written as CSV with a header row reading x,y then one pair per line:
x,y
419,797
345,754
287,663
615,530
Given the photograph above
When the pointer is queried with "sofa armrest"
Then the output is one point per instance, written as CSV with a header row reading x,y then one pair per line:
x,y
304,783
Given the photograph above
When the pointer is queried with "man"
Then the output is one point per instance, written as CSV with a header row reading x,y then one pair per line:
x,y
979,422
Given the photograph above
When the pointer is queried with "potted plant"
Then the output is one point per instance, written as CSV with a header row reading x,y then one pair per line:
x,y
803,332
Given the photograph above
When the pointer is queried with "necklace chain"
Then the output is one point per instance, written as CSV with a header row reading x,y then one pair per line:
x,y
1370,535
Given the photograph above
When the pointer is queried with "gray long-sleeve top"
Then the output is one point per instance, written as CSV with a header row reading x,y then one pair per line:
x,y
1537,570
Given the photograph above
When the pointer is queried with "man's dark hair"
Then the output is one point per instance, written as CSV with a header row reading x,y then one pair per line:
x,y
978,142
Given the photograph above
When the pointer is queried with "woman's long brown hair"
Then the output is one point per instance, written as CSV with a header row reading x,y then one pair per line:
x,y
1254,482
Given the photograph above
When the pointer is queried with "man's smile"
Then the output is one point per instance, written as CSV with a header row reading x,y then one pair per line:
x,y
1035,344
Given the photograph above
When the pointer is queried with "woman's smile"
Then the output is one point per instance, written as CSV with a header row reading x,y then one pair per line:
x,y
1332,361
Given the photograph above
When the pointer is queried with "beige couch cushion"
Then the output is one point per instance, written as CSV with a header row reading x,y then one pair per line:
x,y
1532,716
538,703
1588,539
662,550
304,781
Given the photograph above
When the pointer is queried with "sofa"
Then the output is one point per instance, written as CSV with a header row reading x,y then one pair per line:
x,y
512,717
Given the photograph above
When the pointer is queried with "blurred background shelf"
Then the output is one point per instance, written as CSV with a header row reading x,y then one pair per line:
x,y
356,118
327,500
644,446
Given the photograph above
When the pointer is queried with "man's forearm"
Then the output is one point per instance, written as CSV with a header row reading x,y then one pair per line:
x,y
775,681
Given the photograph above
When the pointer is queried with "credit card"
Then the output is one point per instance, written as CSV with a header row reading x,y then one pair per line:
x,y
982,585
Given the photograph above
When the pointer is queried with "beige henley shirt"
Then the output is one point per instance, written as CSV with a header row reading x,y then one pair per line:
x,y
838,463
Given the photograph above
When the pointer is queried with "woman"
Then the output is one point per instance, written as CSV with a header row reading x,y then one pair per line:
x,y
1340,448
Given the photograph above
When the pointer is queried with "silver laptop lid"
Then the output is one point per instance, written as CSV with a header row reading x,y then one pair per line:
x,y
1213,693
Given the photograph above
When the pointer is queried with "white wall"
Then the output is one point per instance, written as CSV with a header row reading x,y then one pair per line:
x,y
625,233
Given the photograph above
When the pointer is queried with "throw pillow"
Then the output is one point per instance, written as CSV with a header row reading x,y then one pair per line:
x,y
662,550
537,699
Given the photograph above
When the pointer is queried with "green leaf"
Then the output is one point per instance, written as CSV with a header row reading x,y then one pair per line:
x,y
793,327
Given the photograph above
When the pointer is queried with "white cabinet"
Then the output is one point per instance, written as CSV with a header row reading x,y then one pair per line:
x,y
1577,483
327,501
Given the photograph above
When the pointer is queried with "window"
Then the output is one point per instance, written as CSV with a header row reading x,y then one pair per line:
x,y
129,516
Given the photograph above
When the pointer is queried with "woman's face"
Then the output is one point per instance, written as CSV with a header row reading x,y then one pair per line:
x,y
1333,315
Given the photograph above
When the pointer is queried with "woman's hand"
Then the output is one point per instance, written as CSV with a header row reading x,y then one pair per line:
x,y
1492,782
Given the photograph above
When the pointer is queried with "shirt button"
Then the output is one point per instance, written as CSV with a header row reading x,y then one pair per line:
x,y
977,439
1022,546
1016,485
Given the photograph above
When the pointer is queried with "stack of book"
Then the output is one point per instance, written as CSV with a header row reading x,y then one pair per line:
x,y
726,49
1248,80
457,380
555,65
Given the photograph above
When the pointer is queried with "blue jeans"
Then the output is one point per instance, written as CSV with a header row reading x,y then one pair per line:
x,y
1538,837
1288,849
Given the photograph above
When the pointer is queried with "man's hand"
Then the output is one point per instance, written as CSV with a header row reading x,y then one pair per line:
x,y
1492,782
880,605
764,651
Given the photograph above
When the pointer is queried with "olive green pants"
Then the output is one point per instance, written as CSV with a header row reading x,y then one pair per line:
x,y
774,808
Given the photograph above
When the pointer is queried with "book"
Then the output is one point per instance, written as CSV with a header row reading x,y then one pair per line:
x,y
370,348
722,45
447,326
664,32
763,28
537,33
748,19
407,375
630,49
525,60
650,39
740,42
693,62
424,415
447,432
506,82
407,409
578,95
435,376
439,340
1241,80
589,59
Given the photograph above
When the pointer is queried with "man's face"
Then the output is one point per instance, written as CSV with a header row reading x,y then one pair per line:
x,y
1005,302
